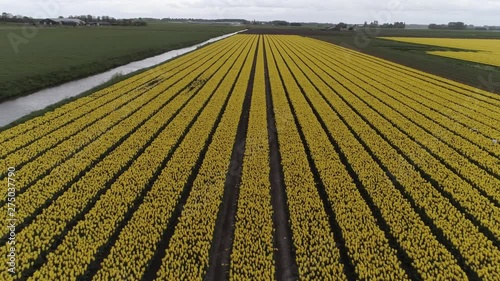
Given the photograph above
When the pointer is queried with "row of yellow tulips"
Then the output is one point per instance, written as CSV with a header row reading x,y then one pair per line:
x,y
316,253
407,99
54,219
63,173
470,198
252,253
369,249
188,250
451,87
137,242
479,252
80,245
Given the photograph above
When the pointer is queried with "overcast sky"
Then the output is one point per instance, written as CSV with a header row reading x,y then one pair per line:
x,y
484,12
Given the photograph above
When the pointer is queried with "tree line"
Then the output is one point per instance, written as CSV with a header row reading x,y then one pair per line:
x,y
8,17
385,25
461,26
111,20
452,26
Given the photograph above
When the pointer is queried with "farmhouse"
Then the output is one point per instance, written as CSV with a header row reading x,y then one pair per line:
x,y
62,21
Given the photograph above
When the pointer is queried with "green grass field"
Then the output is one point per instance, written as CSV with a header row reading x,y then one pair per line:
x,y
438,33
60,54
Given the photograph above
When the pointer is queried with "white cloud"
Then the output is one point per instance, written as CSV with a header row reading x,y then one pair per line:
x,y
410,11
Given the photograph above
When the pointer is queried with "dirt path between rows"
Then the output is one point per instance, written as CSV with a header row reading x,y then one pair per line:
x,y
222,243
286,266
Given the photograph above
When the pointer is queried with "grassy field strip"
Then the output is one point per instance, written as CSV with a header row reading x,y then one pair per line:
x,y
470,111
75,251
187,255
347,202
477,170
252,252
444,155
479,252
443,83
71,111
309,221
37,166
98,180
166,80
448,181
67,173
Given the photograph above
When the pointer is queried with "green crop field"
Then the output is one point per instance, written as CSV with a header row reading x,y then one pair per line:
x,y
59,54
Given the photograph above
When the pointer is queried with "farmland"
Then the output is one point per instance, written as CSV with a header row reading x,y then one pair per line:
x,y
53,55
260,157
485,51
370,41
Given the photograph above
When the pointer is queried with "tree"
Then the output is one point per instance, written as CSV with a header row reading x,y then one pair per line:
x,y
280,22
340,26
399,25
437,26
457,25
7,17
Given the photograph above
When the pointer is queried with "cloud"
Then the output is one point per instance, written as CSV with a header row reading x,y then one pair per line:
x,y
353,11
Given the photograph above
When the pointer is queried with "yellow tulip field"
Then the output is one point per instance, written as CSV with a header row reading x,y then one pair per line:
x,y
258,157
485,51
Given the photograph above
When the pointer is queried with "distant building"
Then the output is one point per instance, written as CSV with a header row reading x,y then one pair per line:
x,y
62,21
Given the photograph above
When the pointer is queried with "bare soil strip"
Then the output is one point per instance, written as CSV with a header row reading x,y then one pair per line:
x,y
222,243
286,266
